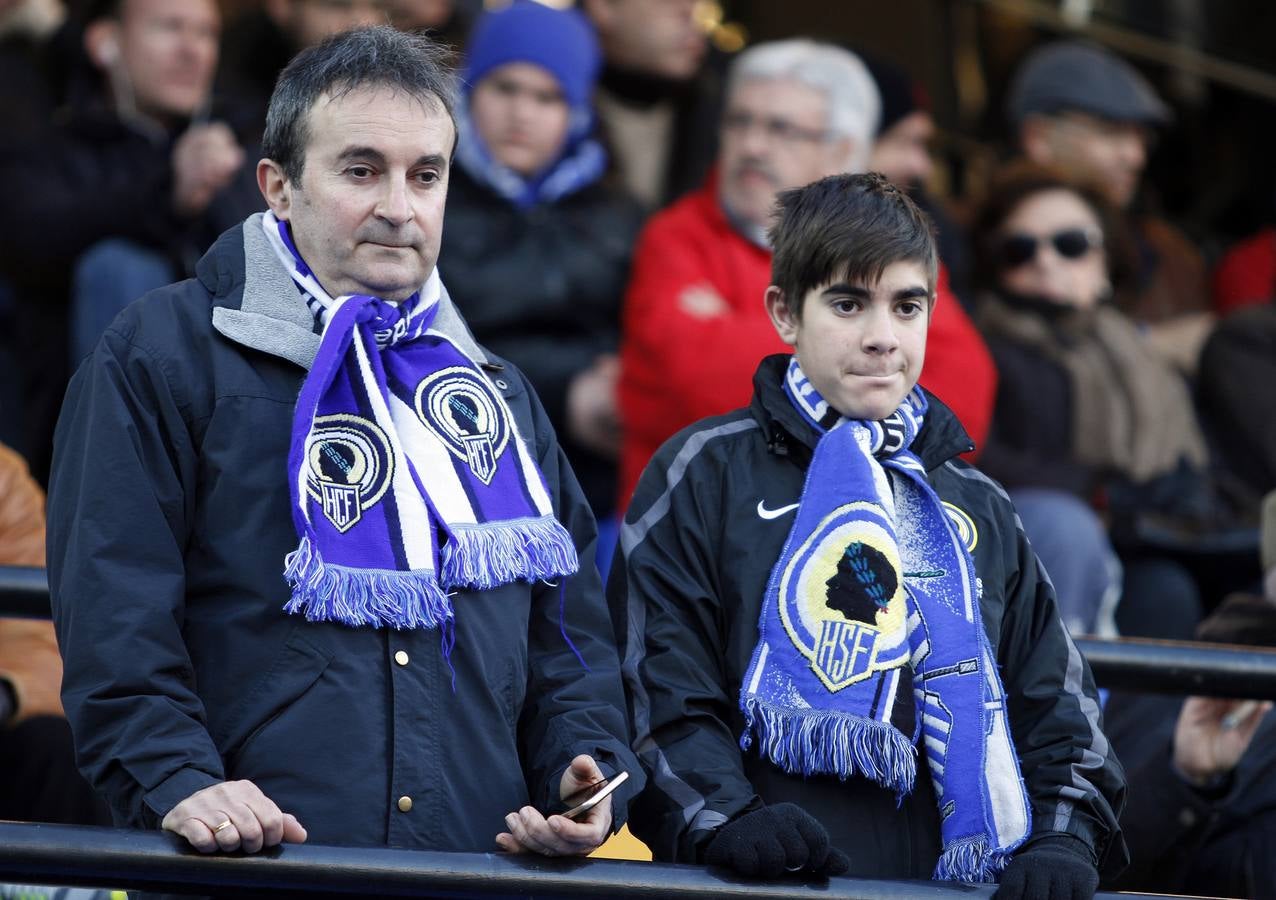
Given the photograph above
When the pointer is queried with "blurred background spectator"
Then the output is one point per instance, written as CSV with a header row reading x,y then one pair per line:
x,y
695,327
1085,405
122,194
660,94
258,44
1081,108
537,244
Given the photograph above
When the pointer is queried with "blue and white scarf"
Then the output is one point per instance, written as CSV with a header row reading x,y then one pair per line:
x,y
408,475
870,638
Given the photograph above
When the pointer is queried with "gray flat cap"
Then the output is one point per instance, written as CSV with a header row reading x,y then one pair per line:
x,y
1076,75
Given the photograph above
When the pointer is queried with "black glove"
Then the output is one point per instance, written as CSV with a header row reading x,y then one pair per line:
x,y
773,840
1058,867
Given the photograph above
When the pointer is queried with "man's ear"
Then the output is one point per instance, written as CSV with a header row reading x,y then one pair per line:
x,y
842,155
1036,137
275,188
102,43
783,316
599,12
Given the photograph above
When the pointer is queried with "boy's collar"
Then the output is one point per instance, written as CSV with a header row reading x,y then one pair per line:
x,y
942,436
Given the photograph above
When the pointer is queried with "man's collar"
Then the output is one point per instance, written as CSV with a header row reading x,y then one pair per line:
x,y
273,318
751,232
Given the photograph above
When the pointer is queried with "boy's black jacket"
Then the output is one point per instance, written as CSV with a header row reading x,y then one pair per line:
x,y
708,521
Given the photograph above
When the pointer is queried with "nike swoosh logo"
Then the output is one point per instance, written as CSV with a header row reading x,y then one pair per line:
x,y
764,513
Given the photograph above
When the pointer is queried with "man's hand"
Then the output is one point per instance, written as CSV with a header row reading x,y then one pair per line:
x,y
205,159
530,832
1208,742
233,815
592,414
773,840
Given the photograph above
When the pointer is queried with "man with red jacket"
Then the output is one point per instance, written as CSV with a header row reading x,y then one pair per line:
x,y
694,323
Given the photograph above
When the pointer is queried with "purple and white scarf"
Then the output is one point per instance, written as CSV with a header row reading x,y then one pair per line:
x,y
408,475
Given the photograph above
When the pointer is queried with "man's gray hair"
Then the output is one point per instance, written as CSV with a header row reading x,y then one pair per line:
x,y
377,56
854,104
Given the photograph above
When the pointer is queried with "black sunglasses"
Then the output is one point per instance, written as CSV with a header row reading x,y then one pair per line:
x,y
1071,243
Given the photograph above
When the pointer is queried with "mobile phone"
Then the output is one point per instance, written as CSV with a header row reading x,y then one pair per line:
x,y
588,797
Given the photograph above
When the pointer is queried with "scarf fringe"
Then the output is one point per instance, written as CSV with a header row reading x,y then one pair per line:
x,y
971,860
810,742
376,597
496,553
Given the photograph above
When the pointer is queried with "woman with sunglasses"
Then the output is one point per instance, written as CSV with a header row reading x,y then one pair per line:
x,y
1087,416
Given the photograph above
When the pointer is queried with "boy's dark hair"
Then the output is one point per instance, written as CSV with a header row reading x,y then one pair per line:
x,y
372,57
846,226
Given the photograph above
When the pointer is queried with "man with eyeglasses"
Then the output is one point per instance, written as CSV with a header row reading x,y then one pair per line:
x,y
1080,108
694,323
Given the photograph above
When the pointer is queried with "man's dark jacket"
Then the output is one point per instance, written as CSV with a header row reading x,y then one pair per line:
x,y
169,520
707,524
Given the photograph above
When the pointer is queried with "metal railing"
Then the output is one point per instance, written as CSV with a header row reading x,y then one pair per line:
x,y
1160,667
150,861
24,592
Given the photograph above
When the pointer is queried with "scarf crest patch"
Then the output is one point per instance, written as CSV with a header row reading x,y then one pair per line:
x,y
408,475
870,639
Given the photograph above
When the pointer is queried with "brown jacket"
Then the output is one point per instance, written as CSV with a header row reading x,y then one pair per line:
x,y
29,657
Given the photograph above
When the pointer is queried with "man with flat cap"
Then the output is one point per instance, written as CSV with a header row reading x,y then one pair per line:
x,y
1080,108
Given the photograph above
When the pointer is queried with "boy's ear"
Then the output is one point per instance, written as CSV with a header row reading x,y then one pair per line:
x,y
783,316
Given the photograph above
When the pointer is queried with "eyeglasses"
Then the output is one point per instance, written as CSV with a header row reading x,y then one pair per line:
x,y
777,130
1070,243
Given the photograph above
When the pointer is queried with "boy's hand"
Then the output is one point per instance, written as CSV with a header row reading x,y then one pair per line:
x,y
773,840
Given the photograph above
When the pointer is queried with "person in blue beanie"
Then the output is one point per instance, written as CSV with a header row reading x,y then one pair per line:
x,y
538,242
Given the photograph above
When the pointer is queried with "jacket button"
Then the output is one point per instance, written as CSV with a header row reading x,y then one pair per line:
x,y
401,658
405,804
502,384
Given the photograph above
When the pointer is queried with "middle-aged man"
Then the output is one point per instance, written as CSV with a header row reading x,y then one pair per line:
x,y
437,670
1078,107
694,324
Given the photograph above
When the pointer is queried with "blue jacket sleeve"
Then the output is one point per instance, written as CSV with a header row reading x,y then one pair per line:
x,y
119,513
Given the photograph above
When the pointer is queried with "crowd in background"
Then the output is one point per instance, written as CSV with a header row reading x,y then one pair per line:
x,y
606,233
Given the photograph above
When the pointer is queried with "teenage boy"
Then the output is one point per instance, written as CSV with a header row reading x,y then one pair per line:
x,y
841,653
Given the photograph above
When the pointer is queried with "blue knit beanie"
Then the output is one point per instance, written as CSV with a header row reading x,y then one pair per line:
x,y
560,41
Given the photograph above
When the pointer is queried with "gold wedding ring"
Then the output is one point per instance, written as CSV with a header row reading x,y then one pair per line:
x,y
222,827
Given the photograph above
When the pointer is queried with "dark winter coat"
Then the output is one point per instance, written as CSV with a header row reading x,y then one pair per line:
x,y
169,519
